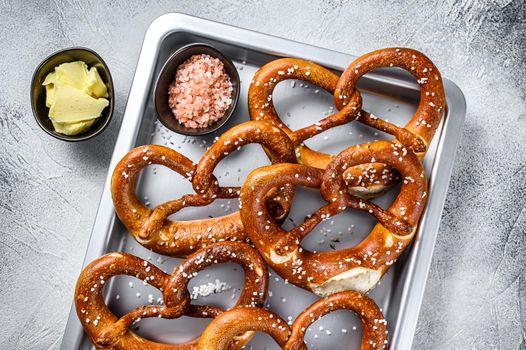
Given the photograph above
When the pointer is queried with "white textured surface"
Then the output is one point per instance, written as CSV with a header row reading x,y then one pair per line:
x,y
476,293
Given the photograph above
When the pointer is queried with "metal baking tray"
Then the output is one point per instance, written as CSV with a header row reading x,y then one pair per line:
x,y
391,94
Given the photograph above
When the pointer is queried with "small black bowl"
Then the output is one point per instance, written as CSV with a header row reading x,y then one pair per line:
x,y
167,76
38,91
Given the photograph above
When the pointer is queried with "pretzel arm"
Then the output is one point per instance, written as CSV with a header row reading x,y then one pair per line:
x,y
366,180
160,214
204,311
256,274
347,114
432,97
271,137
404,136
411,197
388,220
298,233
223,331
227,192
275,141
129,209
260,104
112,333
374,329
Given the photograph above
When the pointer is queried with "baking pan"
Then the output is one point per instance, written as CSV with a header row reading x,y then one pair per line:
x,y
391,94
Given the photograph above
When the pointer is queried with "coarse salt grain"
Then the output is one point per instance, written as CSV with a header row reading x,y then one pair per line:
x,y
201,92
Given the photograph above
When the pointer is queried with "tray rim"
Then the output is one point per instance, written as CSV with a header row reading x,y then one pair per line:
x,y
423,246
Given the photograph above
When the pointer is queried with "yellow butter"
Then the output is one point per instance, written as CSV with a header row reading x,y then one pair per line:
x,y
50,95
73,105
74,74
50,91
75,97
95,85
73,128
50,79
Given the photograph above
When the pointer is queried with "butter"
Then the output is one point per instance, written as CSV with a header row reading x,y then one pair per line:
x,y
50,89
74,74
75,97
73,128
95,85
72,105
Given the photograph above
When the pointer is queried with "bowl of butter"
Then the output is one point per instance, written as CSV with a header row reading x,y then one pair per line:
x,y
72,94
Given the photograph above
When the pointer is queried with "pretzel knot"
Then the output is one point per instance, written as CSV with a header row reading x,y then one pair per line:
x,y
155,231
357,268
107,331
365,180
222,330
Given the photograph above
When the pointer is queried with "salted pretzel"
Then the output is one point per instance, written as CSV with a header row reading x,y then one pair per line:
x,y
222,331
357,268
154,230
366,180
222,335
106,331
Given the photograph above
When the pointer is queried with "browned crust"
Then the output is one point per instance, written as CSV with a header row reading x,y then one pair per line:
x,y
265,200
154,230
108,332
223,330
378,251
416,135
374,326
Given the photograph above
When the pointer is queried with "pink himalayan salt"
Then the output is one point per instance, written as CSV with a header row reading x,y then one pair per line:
x,y
201,92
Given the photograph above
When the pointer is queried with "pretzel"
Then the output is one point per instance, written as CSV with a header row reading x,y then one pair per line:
x,y
154,230
281,150
416,135
357,268
221,332
106,331
261,107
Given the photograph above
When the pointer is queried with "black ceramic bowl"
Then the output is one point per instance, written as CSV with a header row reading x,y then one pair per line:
x,y
167,76
38,91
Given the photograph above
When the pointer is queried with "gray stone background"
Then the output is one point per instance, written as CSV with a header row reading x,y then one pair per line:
x,y
476,292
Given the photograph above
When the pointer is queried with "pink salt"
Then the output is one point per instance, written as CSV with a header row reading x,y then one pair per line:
x,y
201,92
